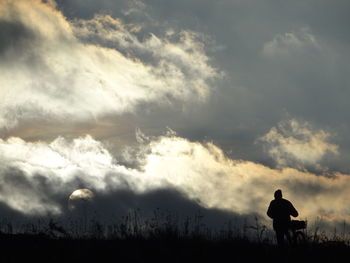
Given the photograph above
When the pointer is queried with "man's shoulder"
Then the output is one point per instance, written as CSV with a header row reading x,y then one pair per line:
x,y
287,202
280,201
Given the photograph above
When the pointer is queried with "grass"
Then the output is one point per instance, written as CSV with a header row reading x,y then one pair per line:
x,y
165,237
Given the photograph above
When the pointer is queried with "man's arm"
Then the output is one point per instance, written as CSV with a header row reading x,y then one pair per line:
x,y
270,211
293,212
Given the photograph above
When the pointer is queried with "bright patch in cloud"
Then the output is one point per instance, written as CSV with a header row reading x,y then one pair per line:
x,y
54,69
293,142
291,43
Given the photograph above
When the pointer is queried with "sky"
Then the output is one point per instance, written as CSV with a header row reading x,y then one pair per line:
x,y
183,105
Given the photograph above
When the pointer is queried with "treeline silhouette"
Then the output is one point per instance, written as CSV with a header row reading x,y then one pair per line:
x,y
164,237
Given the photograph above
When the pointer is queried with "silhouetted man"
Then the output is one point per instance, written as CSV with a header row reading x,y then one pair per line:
x,y
280,211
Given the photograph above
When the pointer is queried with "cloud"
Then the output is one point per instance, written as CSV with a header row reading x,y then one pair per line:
x,y
291,43
50,71
296,143
306,60
81,71
36,177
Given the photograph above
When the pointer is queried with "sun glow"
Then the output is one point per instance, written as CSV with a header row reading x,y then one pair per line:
x,y
80,197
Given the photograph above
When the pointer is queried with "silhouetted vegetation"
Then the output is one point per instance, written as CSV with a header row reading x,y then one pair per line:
x,y
164,237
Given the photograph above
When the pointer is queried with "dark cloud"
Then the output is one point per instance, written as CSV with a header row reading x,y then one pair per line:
x,y
306,80
35,194
109,208
166,202
14,36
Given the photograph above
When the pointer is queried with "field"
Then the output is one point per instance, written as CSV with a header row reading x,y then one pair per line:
x,y
17,248
162,239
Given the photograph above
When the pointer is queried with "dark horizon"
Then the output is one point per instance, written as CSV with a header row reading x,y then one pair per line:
x,y
187,105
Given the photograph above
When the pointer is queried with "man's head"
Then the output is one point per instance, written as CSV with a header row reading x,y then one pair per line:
x,y
278,194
